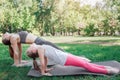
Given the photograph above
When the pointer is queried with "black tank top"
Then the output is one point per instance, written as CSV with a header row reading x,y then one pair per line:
x,y
23,35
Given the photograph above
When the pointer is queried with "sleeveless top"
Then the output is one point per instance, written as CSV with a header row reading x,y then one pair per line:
x,y
56,55
23,35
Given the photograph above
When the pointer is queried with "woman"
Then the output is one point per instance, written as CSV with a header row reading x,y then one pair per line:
x,y
65,59
14,41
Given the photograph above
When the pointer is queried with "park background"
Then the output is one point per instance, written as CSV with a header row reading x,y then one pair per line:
x,y
77,26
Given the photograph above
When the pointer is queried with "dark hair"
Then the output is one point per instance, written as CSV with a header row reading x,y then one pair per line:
x,y
34,56
6,42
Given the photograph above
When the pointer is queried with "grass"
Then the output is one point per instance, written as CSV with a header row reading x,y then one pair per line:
x,y
91,49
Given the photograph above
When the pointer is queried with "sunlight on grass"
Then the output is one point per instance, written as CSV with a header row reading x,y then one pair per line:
x,y
65,47
3,75
95,52
99,55
68,39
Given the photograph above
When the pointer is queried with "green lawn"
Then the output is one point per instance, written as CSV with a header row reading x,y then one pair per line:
x,y
95,48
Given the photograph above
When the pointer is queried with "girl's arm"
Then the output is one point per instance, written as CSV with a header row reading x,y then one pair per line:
x,y
42,60
47,69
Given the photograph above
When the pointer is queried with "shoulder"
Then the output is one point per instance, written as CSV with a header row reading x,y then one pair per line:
x,y
14,38
40,47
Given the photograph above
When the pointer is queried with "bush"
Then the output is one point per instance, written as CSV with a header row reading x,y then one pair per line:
x,y
90,29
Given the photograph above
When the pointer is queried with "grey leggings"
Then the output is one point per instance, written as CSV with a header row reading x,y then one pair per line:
x,y
41,41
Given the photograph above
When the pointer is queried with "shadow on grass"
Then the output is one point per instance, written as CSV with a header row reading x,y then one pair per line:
x,y
9,72
95,52
100,42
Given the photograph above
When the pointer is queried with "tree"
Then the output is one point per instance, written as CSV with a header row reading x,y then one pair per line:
x,y
43,16
16,16
114,7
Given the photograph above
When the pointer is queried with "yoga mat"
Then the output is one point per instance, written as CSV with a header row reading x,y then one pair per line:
x,y
70,70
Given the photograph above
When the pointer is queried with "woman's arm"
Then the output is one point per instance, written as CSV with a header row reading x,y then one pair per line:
x,y
15,50
11,52
20,52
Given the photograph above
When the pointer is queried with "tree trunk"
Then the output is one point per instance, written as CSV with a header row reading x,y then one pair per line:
x,y
53,31
79,31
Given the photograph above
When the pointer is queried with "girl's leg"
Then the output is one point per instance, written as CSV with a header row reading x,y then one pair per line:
x,y
75,61
84,58
87,60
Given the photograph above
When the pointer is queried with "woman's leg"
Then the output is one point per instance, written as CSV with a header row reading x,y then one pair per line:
x,y
75,61
53,45
41,41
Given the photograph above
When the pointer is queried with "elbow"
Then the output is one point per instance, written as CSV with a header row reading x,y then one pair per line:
x,y
42,65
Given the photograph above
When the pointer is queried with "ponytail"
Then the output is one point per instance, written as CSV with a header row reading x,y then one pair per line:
x,y
36,67
33,56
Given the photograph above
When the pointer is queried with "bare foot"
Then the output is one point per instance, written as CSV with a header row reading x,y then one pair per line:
x,y
112,70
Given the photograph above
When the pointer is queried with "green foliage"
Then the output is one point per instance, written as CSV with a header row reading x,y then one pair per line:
x,y
15,16
90,29
61,17
108,26
43,16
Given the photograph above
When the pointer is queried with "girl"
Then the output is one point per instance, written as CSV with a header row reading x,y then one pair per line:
x,y
15,40
65,59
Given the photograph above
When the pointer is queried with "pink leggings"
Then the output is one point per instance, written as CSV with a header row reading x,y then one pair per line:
x,y
76,61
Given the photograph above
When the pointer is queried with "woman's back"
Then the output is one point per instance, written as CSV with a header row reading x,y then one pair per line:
x,y
26,37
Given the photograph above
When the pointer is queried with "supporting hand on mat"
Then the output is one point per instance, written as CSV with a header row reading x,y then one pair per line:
x,y
47,74
24,61
19,65
48,69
